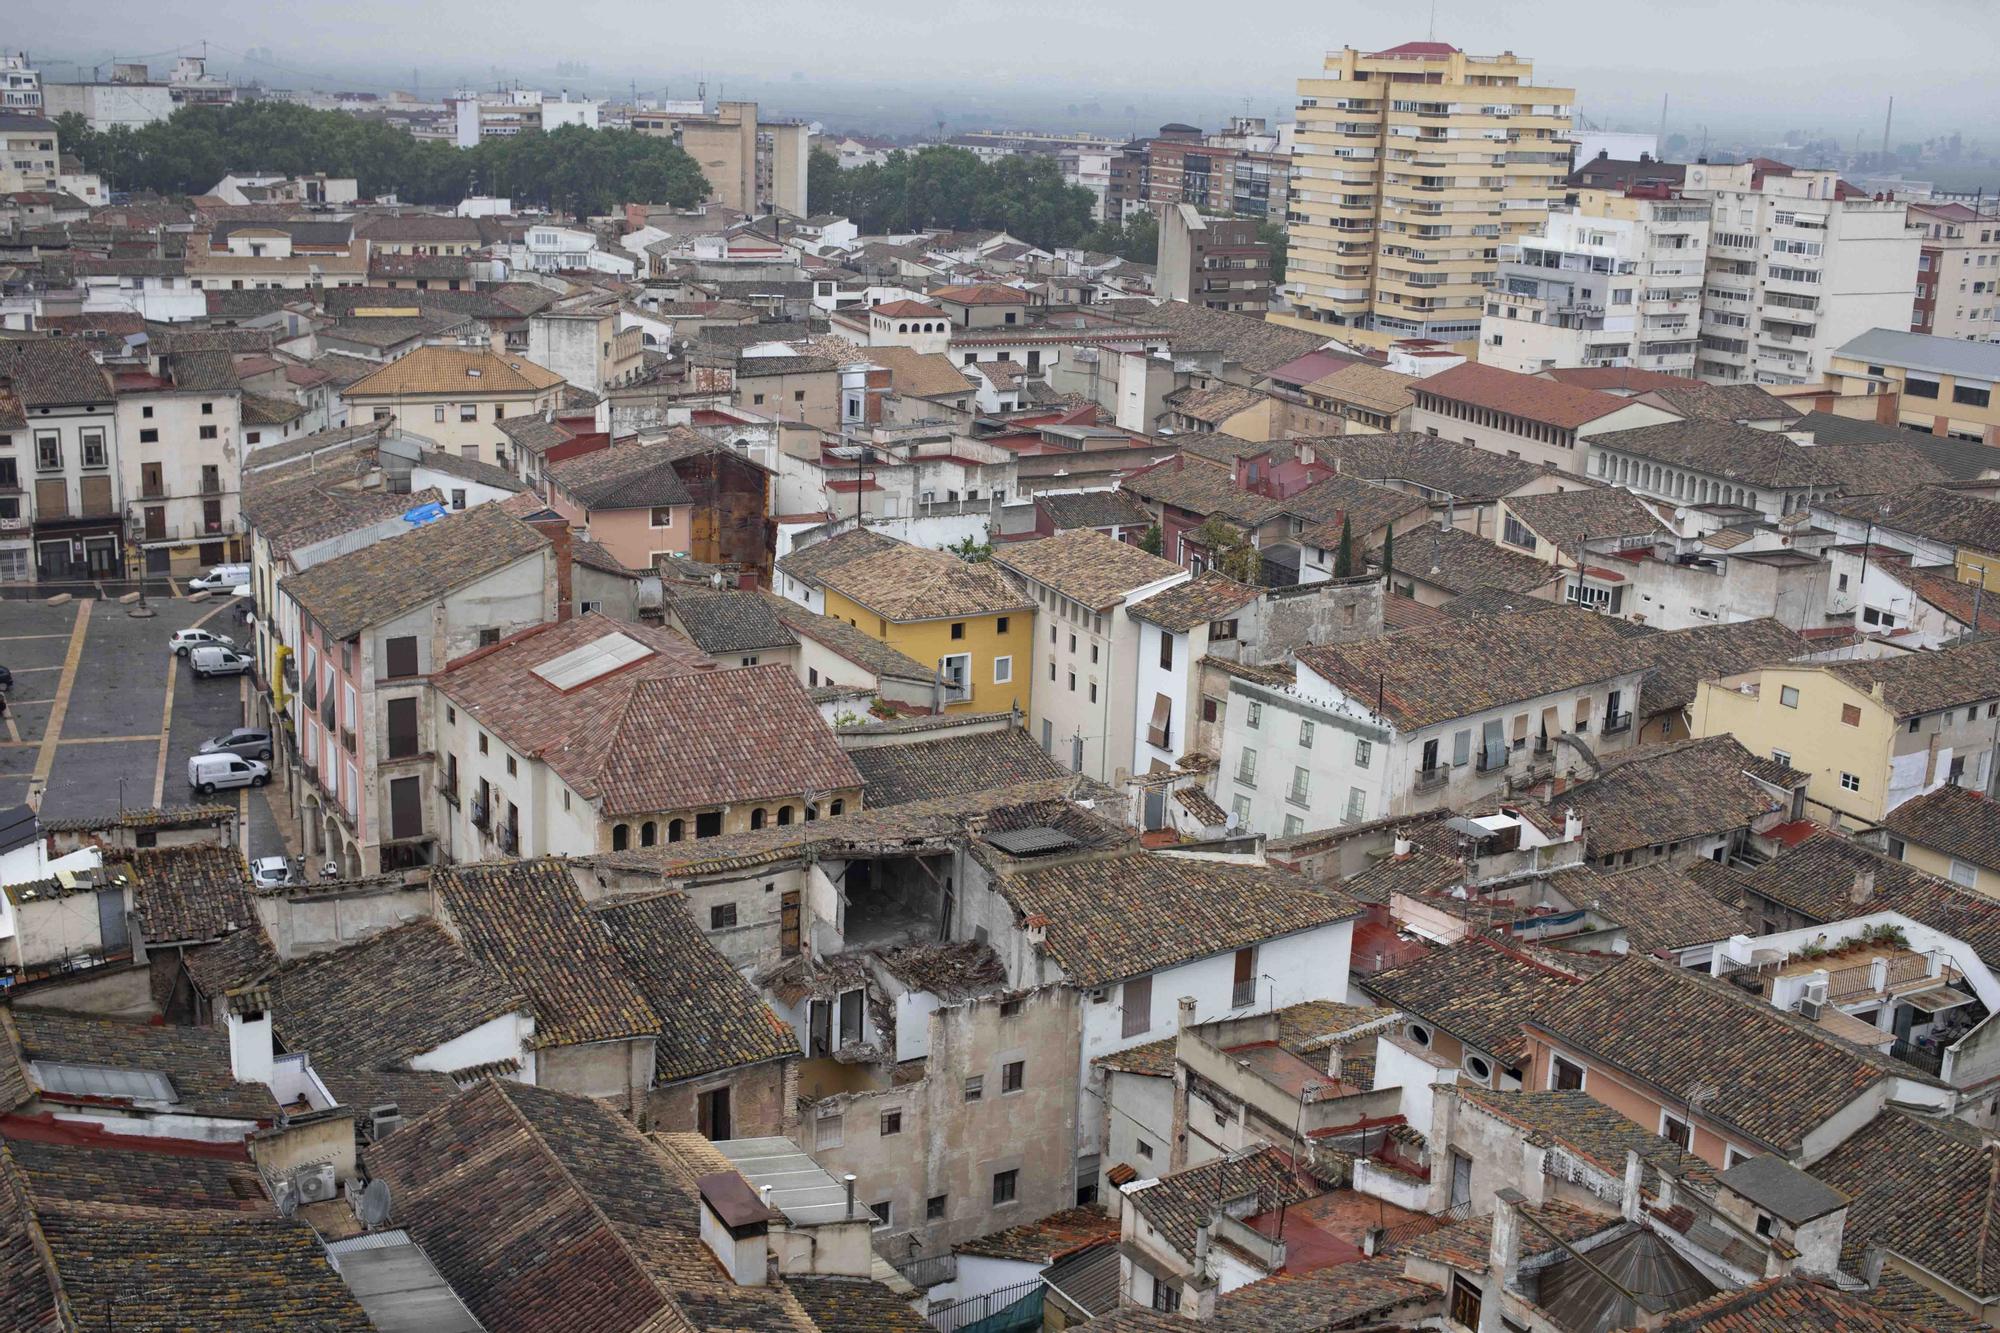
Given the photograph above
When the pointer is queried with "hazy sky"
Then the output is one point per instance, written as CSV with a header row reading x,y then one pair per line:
x,y
1828,65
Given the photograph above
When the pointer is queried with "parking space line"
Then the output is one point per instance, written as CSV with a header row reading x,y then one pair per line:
x,y
22,671
45,762
23,638
166,730
13,732
110,740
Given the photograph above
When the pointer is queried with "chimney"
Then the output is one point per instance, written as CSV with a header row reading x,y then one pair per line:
x,y
1864,887
1503,1258
1632,1197
736,1227
1184,1014
1037,930
848,1181
1335,1054
556,529
251,1058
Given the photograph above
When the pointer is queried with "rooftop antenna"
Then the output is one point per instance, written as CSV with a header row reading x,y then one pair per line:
x,y
1662,136
1431,34
1887,120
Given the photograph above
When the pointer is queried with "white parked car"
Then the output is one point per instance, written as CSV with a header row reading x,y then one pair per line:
x,y
270,872
221,579
213,661
206,772
187,640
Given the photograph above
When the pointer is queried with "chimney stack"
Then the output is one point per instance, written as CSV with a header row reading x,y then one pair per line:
x,y
1864,886
556,529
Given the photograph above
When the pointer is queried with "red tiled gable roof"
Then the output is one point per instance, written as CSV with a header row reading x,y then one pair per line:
x,y
1548,401
661,735
982,293
1614,377
913,309
1418,49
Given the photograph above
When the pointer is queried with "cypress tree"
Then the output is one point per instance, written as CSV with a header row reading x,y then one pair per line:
x,y
1343,563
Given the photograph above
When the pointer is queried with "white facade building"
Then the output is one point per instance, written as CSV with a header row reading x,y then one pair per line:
x,y
1616,283
1799,263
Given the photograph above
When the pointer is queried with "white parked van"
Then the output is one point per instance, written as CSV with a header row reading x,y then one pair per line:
x,y
212,661
221,578
206,772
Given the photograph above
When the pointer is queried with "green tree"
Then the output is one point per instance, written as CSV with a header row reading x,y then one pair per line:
x,y
1151,540
1389,558
823,186
1273,234
973,550
1233,553
1343,561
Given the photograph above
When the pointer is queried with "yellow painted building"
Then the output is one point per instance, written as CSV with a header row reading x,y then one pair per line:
x,y
1410,168
1871,734
1944,386
966,621
1951,833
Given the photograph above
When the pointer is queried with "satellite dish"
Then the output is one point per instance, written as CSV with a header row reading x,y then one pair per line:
x,y
374,1208
287,1199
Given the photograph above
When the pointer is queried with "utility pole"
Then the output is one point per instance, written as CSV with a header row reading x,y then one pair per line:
x,y
1662,135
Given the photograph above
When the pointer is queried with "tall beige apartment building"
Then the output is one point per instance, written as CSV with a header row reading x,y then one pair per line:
x,y
1411,167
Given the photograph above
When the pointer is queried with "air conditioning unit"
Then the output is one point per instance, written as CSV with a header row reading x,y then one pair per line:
x,y
383,1121
1811,1009
315,1184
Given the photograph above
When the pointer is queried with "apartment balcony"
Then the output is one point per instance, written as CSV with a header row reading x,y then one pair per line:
x,y
1491,761
480,815
1617,724
1430,779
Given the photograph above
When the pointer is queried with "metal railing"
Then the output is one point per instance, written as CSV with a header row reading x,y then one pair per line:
x,y
929,1271
1021,1303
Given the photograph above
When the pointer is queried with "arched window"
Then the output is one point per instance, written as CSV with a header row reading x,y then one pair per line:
x,y
649,833
621,837
757,817
904,327
676,830
812,813
784,814
838,807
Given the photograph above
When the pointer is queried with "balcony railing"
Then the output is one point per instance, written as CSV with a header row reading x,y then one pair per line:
x,y
1491,760
480,814
1429,778
1617,723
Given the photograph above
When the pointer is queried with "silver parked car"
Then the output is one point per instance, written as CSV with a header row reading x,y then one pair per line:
x,y
245,742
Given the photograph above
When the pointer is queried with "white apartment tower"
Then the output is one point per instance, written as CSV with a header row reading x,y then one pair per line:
x,y
1799,263
1616,282
1411,167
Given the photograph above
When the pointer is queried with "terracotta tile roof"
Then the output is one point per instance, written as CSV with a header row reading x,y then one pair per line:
x,y
1660,906
467,371
262,410
1723,449
746,734
1086,565
137,1174
1192,483
1566,518
193,893
1257,345
535,434
1724,402
1202,807
527,921
710,1018
1045,1241
1219,447
623,476
431,228
1468,1245
1477,991
1790,1304
53,372
907,309
1902,1298
810,564
920,374
501,1212
1778,1077
1961,460
1954,517
1438,465
1419,872
1371,1293
231,962
594,555
1817,879
1198,909
1915,683
1951,820
1668,793
1683,658
382,266
1367,506
1427,676
1215,404
1565,406
1399,612
1940,587
1178,1205
470,469
1458,562
194,1060
728,622
1607,378
1589,1129
922,770
297,507
979,293
1877,467
1093,509
904,583
382,1002
351,592
1374,388
229,1272
863,650
855,1306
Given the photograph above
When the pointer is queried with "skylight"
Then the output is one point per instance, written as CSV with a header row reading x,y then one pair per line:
x,y
600,657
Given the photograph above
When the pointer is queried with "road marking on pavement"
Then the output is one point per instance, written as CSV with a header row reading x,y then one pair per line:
x,y
22,671
166,729
23,638
109,740
13,732
45,762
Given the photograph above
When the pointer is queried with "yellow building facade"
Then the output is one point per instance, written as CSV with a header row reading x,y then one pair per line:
x,y
1841,736
998,647
1410,168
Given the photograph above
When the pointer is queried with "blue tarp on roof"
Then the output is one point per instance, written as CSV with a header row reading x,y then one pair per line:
x,y
425,513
